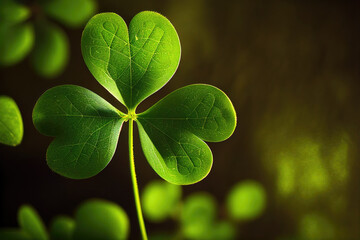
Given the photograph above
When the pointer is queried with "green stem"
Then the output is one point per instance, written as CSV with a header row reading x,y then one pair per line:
x,y
134,181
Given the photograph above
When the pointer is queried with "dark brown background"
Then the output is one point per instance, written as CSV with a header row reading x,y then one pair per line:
x,y
291,69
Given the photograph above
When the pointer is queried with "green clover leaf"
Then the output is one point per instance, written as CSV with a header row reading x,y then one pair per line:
x,y
31,223
171,132
133,64
198,216
98,219
246,201
69,12
94,219
31,226
11,124
16,41
62,228
160,200
13,12
86,126
50,54
45,42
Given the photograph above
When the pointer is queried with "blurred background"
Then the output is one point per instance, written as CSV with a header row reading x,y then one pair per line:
x,y
291,69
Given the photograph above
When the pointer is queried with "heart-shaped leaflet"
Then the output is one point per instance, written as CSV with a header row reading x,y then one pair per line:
x,y
132,64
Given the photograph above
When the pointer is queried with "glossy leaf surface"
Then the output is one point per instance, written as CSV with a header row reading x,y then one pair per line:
x,y
131,64
31,223
70,12
11,125
173,130
160,200
16,41
86,128
98,219
62,228
51,50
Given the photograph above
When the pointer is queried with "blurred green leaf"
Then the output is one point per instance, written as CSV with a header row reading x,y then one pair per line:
x,y
69,12
223,230
160,200
86,128
99,219
62,228
51,50
131,65
198,216
13,234
30,222
172,131
11,124
16,41
13,12
246,200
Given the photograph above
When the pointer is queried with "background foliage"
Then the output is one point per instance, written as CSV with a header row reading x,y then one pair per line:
x,y
291,70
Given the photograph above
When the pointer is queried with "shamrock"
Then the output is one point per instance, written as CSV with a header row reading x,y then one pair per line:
x,y
132,64
47,42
